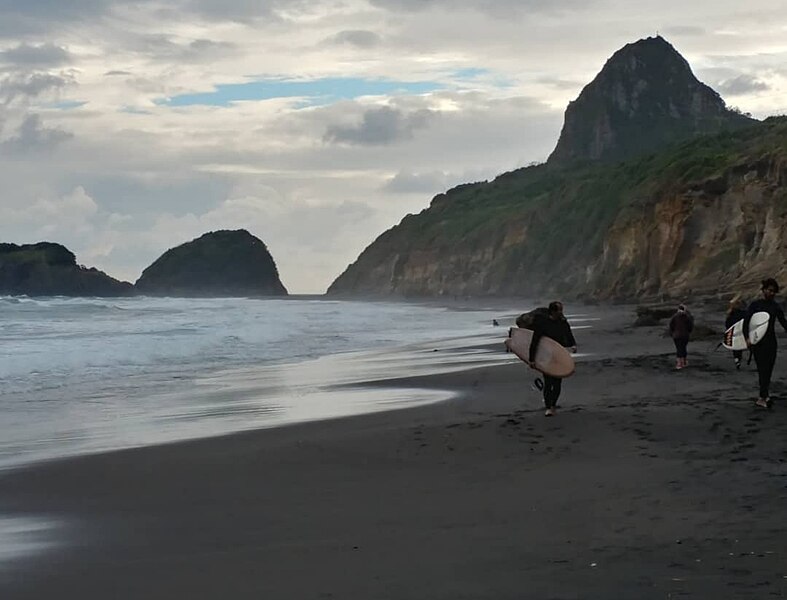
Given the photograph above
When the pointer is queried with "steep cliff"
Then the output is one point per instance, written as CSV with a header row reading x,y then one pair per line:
x,y
47,269
644,98
219,263
704,216
701,214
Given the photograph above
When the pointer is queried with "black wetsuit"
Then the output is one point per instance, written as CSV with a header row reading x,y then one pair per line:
x,y
560,331
733,317
680,328
765,351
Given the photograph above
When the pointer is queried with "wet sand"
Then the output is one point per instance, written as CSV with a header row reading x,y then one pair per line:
x,y
650,483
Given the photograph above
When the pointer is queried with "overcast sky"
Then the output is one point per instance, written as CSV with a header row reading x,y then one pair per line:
x,y
127,128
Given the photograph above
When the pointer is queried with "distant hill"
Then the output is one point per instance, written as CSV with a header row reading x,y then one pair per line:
x,y
47,269
219,263
645,98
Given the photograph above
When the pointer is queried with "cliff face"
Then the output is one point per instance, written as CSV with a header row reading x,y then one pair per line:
x,y
698,204
725,232
220,263
706,216
47,269
645,97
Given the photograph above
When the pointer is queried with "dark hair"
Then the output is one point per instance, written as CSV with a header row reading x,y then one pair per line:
x,y
770,282
555,306
681,307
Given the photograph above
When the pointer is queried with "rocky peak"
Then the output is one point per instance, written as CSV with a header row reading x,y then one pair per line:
x,y
645,97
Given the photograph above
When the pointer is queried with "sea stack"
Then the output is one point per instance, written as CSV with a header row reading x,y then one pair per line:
x,y
49,269
219,263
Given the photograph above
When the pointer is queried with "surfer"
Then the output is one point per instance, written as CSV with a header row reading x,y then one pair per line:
x,y
553,325
765,351
736,311
680,327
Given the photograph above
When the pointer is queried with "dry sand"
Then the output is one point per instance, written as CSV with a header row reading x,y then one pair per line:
x,y
650,483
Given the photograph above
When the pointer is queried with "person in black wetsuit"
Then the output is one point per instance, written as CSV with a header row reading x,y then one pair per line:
x,y
680,327
552,325
735,312
765,351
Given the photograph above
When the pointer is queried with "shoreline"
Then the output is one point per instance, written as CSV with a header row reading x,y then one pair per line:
x,y
649,482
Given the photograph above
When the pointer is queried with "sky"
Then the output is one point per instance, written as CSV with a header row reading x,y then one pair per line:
x,y
130,127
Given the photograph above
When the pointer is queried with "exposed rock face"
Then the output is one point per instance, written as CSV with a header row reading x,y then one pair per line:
x,y
646,96
47,269
727,231
220,263
707,216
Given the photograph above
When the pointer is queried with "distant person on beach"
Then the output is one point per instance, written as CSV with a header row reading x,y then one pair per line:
x,y
736,311
553,325
765,351
680,326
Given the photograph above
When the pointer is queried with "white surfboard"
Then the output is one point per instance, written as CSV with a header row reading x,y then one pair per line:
x,y
758,326
734,338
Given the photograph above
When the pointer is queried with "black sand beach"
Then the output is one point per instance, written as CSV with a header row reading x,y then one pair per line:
x,y
650,483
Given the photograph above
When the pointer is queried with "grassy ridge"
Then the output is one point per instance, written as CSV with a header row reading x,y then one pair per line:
x,y
566,211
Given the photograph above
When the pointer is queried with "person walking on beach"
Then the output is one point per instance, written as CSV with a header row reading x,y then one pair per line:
x,y
765,351
552,325
680,327
736,311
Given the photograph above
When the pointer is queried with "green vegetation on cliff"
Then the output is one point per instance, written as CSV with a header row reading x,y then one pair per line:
x,y
47,269
219,263
564,229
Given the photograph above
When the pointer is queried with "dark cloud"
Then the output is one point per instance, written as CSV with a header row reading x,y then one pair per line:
x,y
741,85
243,10
380,126
41,16
30,85
499,8
43,56
357,37
115,73
161,47
33,137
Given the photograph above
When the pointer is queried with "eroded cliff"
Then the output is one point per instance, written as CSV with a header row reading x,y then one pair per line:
x,y
708,215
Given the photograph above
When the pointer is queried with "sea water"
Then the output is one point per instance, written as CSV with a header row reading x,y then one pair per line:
x,y
80,375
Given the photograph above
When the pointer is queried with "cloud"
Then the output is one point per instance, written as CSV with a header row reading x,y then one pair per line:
x,y
497,8
43,56
741,85
682,31
359,38
380,126
408,182
32,136
30,85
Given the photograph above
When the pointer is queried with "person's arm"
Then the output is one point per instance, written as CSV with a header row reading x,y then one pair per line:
x,y
780,316
672,324
537,335
572,343
751,310
691,323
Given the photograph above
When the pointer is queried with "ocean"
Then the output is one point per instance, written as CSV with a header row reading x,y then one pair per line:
x,y
82,375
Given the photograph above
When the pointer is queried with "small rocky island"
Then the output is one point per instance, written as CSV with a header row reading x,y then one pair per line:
x,y
48,269
219,263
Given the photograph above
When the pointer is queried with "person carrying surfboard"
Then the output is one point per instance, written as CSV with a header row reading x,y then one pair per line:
x,y
680,327
764,350
736,311
552,325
